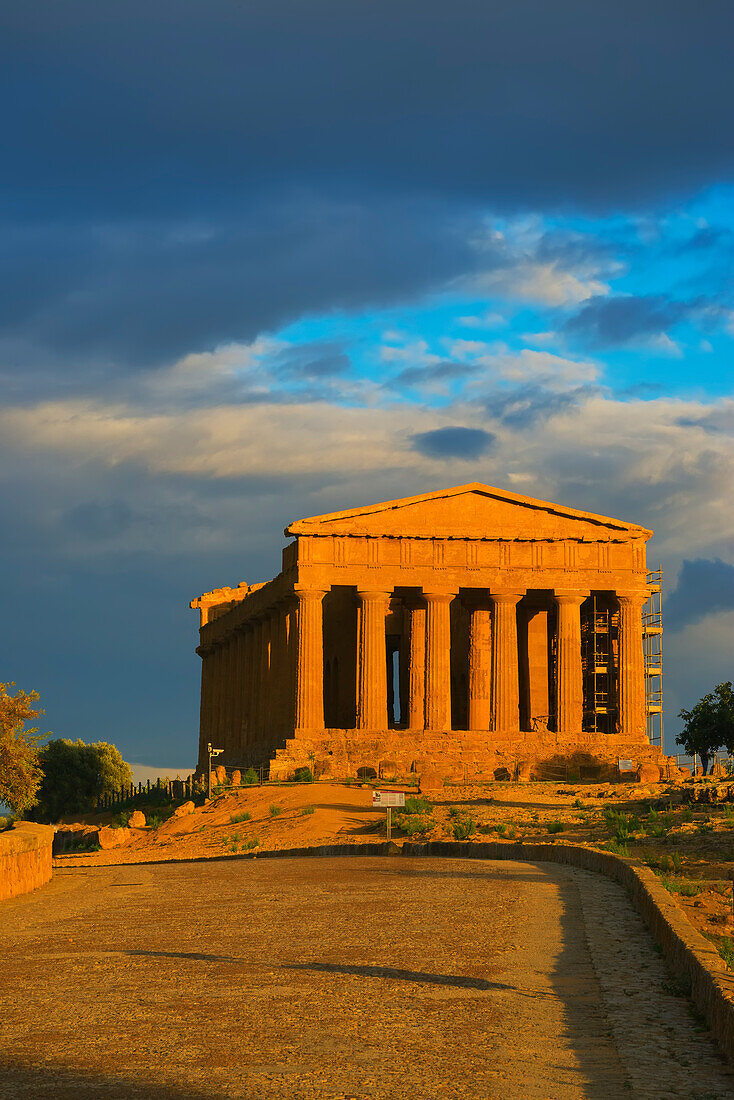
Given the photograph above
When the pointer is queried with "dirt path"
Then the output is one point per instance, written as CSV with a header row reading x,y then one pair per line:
x,y
340,978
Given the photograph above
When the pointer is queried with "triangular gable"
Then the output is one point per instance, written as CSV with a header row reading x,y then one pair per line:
x,y
469,511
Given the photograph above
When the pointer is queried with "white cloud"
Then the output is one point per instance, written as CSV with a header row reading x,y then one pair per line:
x,y
544,283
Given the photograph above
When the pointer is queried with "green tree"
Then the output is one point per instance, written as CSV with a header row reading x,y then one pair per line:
x,y
710,725
75,775
20,774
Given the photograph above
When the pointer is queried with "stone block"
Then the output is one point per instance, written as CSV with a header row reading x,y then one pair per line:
x,y
113,838
236,777
648,773
184,809
137,820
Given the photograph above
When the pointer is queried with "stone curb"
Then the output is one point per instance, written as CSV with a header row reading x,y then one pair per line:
x,y
692,956
25,858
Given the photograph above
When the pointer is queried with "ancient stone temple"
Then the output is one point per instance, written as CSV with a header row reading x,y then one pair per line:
x,y
455,633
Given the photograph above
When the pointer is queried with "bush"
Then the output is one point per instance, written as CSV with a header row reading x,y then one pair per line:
x,y
250,844
250,777
306,811
303,775
414,826
275,810
555,826
5,823
235,818
463,828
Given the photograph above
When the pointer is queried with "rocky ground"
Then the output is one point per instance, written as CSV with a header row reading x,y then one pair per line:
x,y
689,843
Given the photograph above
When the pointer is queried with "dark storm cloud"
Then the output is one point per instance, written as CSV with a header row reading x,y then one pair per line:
x,y
453,442
126,104
704,587
143,293
445,371
526,405
619,320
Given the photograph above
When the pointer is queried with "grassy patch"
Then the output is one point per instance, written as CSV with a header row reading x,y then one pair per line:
x,y
250,844
725,946
617,848
236,818
555,826
306,811
686,887
303,775
415,804
250,777
275,810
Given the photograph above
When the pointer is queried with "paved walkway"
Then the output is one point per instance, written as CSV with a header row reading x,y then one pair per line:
x,y
342,978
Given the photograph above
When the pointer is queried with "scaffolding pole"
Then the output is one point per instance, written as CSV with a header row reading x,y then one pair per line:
x,y
652,648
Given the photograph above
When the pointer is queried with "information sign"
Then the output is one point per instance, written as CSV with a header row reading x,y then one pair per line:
x,y
626,765
394,799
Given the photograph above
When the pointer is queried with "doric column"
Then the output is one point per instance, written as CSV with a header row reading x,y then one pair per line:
x,y
372,660
631,718
246,683
309,694
417,668
480,664
279,684
205,709
237,693
570,684
505,684
266,711
438,659
256,681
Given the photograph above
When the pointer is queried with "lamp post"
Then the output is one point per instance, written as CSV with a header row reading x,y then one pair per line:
x,y
211,752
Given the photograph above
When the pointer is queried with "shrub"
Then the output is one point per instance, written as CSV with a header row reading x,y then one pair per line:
x,y
275,810
5,823
725,946
250,777
555,826
414,826
705,827
578,805
303,775
250,844
463,828
417,805
306,811
236,818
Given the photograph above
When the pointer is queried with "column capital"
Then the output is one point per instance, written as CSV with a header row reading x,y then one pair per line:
x,y
506,595
572,597
433,595
374,595
306,592
632,595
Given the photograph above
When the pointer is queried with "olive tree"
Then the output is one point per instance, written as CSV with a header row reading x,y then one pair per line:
x,y
709,726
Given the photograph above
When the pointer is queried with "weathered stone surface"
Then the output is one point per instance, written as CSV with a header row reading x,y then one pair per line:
x,y
220,774
184,809
137,820
25,858
236,777
113,838
648,773
462,590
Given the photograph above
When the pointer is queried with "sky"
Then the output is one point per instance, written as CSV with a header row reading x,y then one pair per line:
x,y
264,259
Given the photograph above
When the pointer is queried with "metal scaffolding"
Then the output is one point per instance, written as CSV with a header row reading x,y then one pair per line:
x,y
652,648
599,647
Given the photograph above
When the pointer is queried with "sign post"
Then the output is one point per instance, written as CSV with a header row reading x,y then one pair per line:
x,y
389,799
212,752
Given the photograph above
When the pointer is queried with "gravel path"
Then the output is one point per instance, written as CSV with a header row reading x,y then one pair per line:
x,y
342,979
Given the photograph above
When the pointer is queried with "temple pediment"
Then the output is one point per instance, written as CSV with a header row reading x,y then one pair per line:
x,y
473,511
